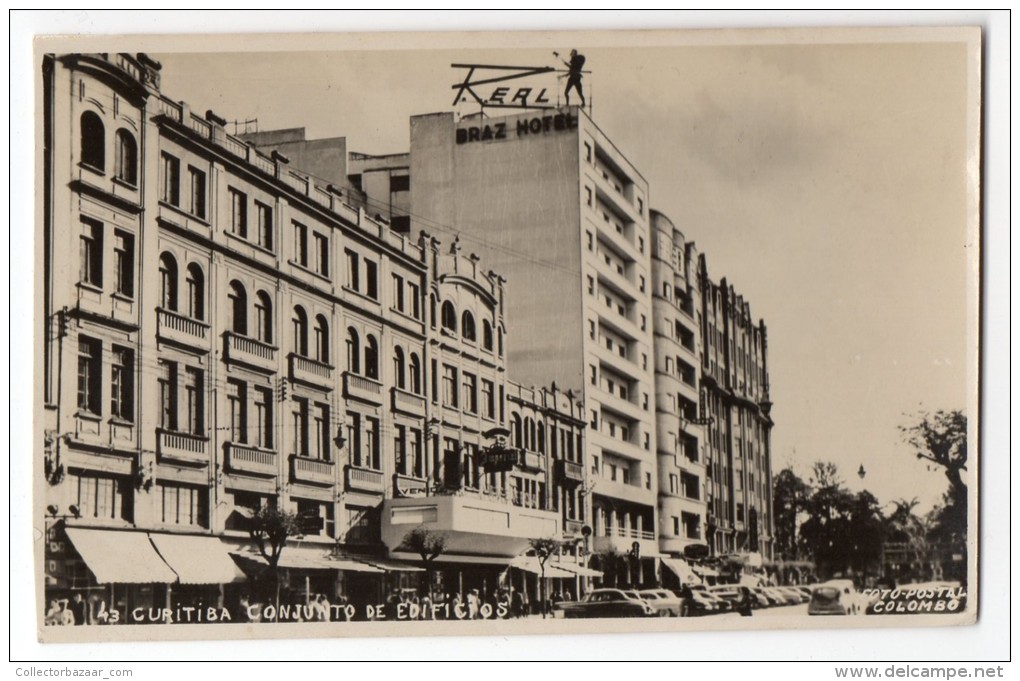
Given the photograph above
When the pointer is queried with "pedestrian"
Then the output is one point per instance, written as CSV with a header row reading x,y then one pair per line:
x,y
426,607
574,75
66,617
473,604
744,604
53,615
517,604
321,606
80,610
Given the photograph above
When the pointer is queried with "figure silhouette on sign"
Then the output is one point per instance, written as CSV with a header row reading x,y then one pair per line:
x,y
574,67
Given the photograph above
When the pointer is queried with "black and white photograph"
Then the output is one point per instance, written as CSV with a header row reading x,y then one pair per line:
x,y
456,334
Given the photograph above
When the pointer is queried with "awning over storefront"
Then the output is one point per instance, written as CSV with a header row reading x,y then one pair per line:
x,y
682,569
120,556
531,564
578,570
447,558
309,558
389,565
196,559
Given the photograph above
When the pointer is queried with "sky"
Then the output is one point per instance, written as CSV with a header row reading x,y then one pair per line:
x,y
827,182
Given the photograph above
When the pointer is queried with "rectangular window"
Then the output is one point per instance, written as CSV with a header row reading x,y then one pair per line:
x,y
263,432
400,183
414,296
90,357
264,214
692,525
434,376
398,292
594,374
371,280
197,181
488,399
372,444
400,449
103,497
417,455
183,504
590,239
470,393
238,213
587,195
321,254
591,286
648,480
310,509
122,389
124,263
194,401
90,251
170,189
354,439
449,386
591,329
299,426
167,379
300,244
353,271
237,402
321,428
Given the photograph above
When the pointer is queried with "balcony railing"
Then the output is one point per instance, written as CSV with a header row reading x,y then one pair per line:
x,y
363,388
250,351
183,447
244,459
364,480
315,471
628,533
408,403
532,461
408,486
569,472
180,329
310,372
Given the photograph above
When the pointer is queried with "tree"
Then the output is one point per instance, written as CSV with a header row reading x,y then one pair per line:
x,y
866,533
827,526
544,548
905,528
941,439
428,544
269,528
789,497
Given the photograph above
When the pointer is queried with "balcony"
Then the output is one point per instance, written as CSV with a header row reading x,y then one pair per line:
x,y
626,492
249,351
474,523
572,528
362,388
408,403
310,372
183,330
621,539
359,479
251,460
532,461
314,471
182,447
569,472
408,486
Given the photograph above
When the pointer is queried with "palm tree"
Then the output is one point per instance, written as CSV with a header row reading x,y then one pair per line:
x,y
904,527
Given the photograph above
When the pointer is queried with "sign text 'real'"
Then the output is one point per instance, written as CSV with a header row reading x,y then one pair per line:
x,y
498,130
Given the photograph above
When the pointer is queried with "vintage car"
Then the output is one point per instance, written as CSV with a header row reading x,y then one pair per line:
x,y
665,602
835,597
607,603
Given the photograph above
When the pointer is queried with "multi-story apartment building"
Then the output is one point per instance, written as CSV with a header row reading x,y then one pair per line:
x,y
676,302
735,380
225,332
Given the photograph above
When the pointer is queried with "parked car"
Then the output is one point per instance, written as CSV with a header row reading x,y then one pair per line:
x,y
698,601
784,597
835,597
797,595
665,602
607,603
728,592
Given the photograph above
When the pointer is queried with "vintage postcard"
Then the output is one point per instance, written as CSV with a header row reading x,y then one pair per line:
x,y
418,334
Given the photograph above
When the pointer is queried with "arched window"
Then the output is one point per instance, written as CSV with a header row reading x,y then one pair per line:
x,y
486,334
264,317
126,160
238,308
353,351
541,438
414,374
93,141
196,292
398,368
371,358
467,327
321,339
167,282
529,433
449,317
517,434
300,331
